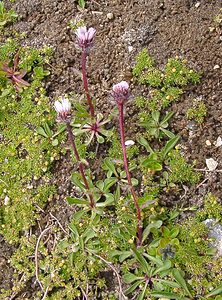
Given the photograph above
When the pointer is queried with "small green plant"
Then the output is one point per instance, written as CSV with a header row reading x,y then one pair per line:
x,y
21,148
82,3
166,84
197,112
179,170
157,127
13,74
6,16
212,209
119,227
218,18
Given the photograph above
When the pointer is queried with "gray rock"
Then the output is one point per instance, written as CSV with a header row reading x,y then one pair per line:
x,y
215,232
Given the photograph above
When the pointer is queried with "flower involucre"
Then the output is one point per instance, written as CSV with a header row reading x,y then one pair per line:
x,y
85,37
63,109
121,92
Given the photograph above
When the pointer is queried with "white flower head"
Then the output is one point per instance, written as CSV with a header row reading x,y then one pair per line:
x,y
63,109
84,36
121,92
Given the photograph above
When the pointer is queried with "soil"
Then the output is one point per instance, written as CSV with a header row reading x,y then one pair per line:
x,y
167,28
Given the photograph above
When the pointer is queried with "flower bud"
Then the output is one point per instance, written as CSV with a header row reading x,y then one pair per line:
x,y
121,92
63,109
85,37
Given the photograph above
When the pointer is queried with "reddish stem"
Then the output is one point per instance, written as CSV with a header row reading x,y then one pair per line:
x,y
126,165
81,166
85,83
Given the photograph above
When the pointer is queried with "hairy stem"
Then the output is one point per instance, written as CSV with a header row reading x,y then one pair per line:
x,y
126,165
85,83
81,166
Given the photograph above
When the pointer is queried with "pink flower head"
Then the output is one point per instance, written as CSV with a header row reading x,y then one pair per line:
x,y
121,92
85,37
63,109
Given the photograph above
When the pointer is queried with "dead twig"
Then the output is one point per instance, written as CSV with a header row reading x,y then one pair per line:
x,y
36,260
114,270
200,184
60,225
206,170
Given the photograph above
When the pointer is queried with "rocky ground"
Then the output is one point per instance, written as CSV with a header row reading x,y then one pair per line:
x,y
185,28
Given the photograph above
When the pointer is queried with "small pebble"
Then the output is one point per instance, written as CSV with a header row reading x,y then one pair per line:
x,y
208,143
211,164
130,49
211,29
218,142
216,67
6,200
129,143
110,16
197,4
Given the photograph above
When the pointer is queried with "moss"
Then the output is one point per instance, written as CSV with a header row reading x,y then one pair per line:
x,y
180,170
194,257
22,148
197,112
212,209
166,85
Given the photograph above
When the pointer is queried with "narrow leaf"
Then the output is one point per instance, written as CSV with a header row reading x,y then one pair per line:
x,y
180,280
170,145
215,292
133,287
77,201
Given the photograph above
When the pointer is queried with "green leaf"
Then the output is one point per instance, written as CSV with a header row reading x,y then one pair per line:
x,y
135,182
78,215
166,118
174,232
180,280
154,259
156,116
164,267
108,202
117,193
109,182
100,138
170,145
129,277
216,291
142,294
169,283
166,231
157,224
55,143
168,133
133,287
47,129
124,255
82,3
144,143
89,234
110,166
142,261
42,132
77,201
152,164
167,295
77,182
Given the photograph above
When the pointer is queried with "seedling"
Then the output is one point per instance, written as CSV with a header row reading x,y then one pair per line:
x,y
6,16
47,132
94,130
14,74
157,127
